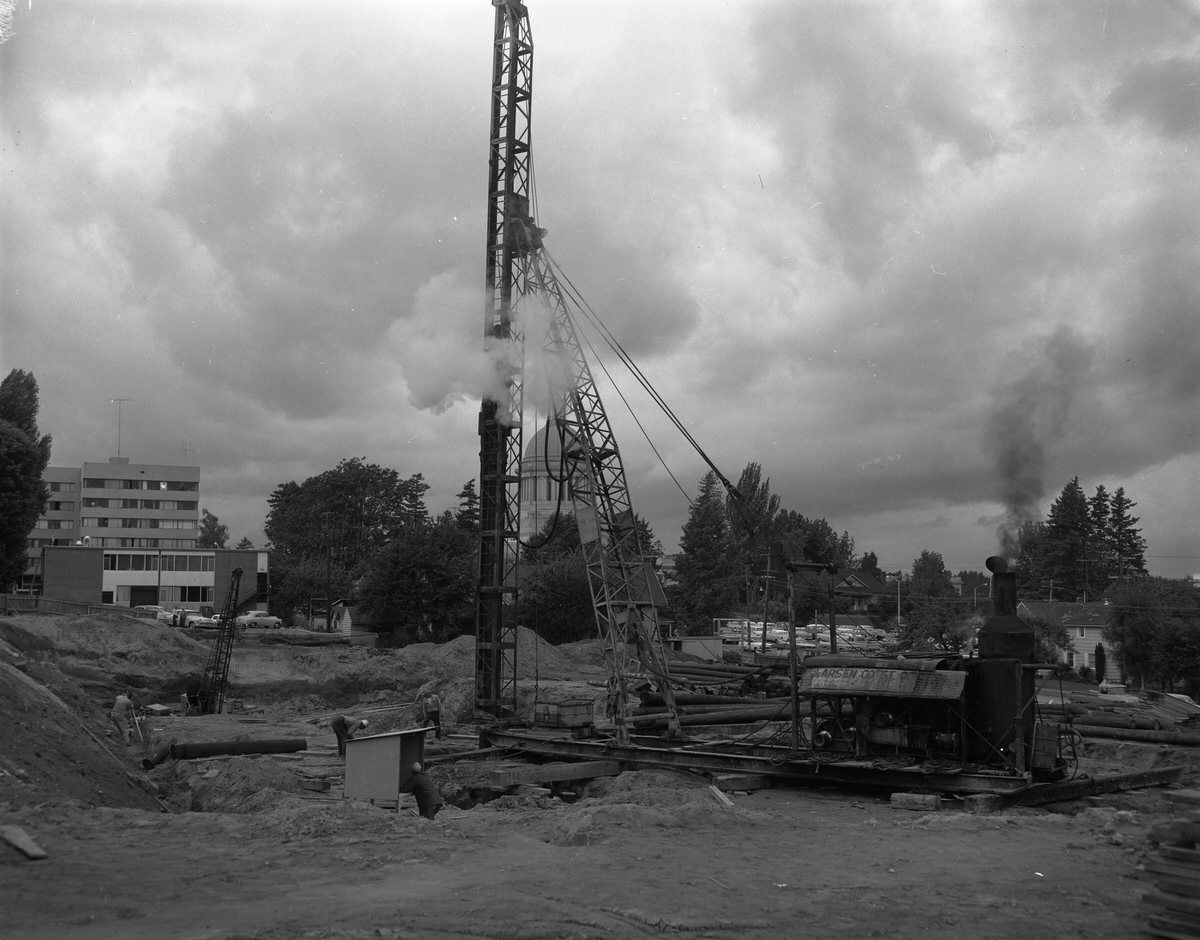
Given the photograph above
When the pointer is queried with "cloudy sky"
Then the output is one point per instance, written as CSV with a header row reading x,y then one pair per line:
x,y
868,245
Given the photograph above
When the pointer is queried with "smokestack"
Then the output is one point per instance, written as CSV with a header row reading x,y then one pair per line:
x,y
1005,635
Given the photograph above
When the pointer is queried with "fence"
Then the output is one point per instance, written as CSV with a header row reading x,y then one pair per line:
x,y
35,603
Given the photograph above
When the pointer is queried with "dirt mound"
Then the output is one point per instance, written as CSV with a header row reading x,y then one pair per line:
x,y
54,744
236,784
631,800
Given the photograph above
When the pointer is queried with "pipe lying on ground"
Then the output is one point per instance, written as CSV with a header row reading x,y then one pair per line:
x,y
1133,734
158,755
196,749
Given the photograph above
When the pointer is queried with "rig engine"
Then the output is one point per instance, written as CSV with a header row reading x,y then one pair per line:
x,y
977,712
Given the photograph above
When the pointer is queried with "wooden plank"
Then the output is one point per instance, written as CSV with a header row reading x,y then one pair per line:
x,y
480,753
1173,902
1179,854
1041,793
721,797
1174,870
17,838
1166,929
1176,921
545,773
1190,797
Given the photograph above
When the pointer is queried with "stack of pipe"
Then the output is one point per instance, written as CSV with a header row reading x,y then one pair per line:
x,y
714,710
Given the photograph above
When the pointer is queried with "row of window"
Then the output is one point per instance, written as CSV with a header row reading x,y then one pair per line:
x,y
134,561
182,486
110,542
56,487
92,502
168,595
107,522
67,505
54,524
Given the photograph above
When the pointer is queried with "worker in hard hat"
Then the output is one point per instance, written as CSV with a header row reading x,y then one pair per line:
x,y
344,728
419,784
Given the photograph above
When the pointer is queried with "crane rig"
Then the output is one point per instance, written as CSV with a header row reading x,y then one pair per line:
x,y
622,582
216,673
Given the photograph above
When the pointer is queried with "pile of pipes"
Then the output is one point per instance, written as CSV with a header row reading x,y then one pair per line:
x,y
699,709
731,678
1151,717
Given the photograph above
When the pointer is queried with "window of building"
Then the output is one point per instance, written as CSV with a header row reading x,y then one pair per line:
x,y
1083,631
123,562
61,505
62,487
91,502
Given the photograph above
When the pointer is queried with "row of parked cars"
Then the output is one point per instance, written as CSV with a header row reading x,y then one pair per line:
x,y
180,617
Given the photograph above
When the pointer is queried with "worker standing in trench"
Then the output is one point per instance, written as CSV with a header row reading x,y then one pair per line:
x,y
122,717
344,728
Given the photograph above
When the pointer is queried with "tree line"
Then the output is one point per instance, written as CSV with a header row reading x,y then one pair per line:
x,y
363,531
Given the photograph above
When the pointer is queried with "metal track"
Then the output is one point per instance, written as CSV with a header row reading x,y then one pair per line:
x,y
778,763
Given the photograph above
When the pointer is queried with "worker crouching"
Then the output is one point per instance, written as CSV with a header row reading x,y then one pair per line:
x,y
344,728
420,785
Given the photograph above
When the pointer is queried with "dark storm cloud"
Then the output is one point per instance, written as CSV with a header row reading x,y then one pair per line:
x,y
825,230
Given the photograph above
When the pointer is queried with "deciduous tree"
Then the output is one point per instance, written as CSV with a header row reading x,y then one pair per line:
x,y
213,533
24,454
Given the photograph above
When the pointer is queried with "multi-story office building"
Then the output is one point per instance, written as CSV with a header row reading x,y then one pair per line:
x,y
146,509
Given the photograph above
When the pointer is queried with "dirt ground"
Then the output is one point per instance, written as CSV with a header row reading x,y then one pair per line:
x,y
251,847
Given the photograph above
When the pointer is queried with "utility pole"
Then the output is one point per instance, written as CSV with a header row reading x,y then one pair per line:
x,y
766,597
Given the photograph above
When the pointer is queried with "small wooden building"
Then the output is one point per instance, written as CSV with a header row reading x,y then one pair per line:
x,y
378,764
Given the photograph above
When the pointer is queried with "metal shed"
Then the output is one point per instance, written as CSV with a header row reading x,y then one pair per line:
x,y
377,765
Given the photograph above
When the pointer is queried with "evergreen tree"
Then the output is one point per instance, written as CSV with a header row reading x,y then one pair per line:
x,y
1067,530
1100,563
706,582
1032,568
1127,541
23,459
467,515
244,545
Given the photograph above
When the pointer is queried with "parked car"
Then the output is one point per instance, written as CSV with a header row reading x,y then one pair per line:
x,y
204,623
148,608
165,616
259,618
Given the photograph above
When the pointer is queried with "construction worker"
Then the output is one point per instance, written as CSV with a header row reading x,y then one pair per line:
x,y
122,717
429,797
431,712
344,728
